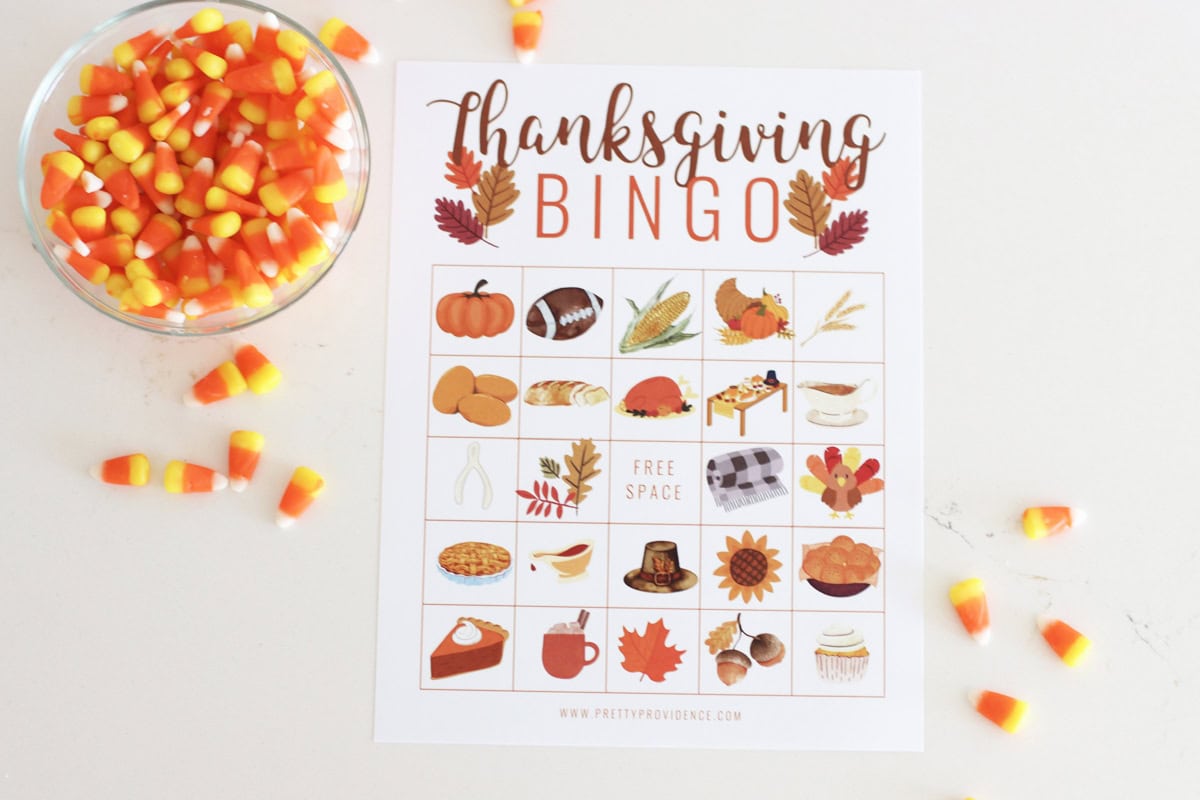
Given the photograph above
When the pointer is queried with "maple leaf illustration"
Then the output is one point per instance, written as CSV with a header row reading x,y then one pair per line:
x,y
648,652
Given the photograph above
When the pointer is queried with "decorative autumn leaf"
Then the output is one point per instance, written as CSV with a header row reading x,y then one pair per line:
x,y
464,170
494,196
721,637
844,232
807,204
581,468
648,652
837,181
550,468
453,217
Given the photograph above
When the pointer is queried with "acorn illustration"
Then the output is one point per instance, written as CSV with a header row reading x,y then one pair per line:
x,y
732,666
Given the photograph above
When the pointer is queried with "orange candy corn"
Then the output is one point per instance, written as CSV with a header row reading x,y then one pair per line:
x,y
93,270
159,232
96,79
345,41
167,177
190,200
284,192
221,225
212,102
60,224
191,269
63,168
526,31
138,47
274,76
970,602
329,186
224,381
305,237
180,477
240,171
162,128
212,301
261,375
89,150
245,447
205,20
91,222
1007,712
130,470
301,490
211,64
150,105
1069,644
1050,520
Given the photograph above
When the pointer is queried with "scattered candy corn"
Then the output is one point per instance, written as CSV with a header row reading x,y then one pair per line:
x,y
176,137
345,41
970,602
130,470
526,30
1070,645
1007,712
180,477
224,381
1049,520
261,375
245,447
301,490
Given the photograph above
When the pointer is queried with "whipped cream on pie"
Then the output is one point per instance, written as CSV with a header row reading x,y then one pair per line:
x,y
467,633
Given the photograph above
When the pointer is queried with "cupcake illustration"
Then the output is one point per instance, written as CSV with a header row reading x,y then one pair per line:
x,y
841,654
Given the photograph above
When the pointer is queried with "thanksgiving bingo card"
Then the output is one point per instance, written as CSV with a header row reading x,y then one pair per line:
x,y
652,470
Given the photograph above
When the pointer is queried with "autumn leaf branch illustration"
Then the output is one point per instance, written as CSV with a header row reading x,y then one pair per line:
x,y
810,204
545,498
493,193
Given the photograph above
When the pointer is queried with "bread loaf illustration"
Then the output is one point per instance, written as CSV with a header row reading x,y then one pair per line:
x,y
565,393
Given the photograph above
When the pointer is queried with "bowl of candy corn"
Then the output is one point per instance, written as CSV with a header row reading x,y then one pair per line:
x,y
191,168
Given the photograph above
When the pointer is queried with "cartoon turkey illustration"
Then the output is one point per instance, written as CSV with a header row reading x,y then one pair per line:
x,y
841,480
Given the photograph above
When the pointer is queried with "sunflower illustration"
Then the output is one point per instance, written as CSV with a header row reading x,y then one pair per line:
x,y
747,567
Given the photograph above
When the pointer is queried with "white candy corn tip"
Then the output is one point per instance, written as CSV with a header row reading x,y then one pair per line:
x,y
143,250
1078,517
973,697
238,484
331,230
269,269
219,482
1045,621
525,56
90,182
97,472
118,102
343,121
193,308
189,399
342,158
371,56
284,520
269,21
200,127
103,199
982,637
166,205
339,138
175,316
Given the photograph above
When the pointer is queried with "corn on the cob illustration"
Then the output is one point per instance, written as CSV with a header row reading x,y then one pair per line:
x,y
654,324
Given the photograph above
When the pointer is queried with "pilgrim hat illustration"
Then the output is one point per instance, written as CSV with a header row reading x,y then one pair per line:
x,y
660,571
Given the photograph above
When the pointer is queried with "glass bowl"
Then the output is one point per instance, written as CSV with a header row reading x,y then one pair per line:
x,y
48,111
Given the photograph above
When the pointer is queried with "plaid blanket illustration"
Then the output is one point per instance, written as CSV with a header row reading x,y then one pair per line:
x,y
745,476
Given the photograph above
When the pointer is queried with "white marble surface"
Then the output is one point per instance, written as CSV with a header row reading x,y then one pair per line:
x,y
155,646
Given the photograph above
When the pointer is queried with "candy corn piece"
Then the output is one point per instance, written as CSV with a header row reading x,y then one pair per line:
x,y
261,375
526,30
224,381
345,41
244,449
93,270
970,602
206,20
301,490
130,470
1048,520
63,168
1070,645
180,477
1007,712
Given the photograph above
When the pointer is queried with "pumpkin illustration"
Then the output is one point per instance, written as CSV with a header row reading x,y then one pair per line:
x,y
474,314
759,323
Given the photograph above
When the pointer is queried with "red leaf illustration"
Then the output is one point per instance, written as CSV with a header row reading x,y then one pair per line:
x,y
844,232
837,180
560,510
457,220
648,652
464,170
570,497
554,493
529,510
525,494
546,510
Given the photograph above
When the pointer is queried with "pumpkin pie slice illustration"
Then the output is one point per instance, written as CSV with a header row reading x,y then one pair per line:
x,y
473,644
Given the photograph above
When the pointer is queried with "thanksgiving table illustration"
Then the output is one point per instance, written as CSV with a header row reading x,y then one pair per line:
x,y
652,424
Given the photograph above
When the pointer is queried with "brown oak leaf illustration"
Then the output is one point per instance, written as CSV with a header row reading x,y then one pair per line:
x,y
807,205
721,637
581,468
493,198
648,652
464,170
837,181
453,217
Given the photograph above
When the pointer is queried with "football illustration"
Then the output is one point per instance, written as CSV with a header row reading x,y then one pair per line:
x,y
563,313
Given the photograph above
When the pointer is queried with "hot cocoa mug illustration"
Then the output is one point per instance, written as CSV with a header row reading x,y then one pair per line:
x,y
565,649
